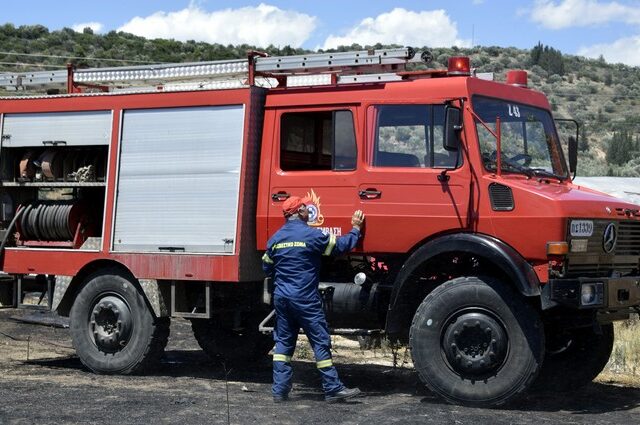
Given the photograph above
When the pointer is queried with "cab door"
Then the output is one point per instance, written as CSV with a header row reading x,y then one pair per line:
x,y
411,188
316,157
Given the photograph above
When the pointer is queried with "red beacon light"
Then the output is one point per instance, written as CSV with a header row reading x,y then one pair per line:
x,y
459,65
517,78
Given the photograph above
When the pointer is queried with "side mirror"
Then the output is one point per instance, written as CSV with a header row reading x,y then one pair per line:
x,y
452,127
573,154
570,129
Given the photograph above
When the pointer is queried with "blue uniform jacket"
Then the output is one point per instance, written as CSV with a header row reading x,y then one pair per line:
x,y
293,257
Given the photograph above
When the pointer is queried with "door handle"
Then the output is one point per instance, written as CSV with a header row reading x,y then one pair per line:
x,y
280,196
370,193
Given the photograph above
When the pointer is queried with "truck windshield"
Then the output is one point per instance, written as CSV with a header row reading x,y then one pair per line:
x,y
529,142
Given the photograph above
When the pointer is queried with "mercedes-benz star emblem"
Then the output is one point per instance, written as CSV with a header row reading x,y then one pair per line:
x,y
609,238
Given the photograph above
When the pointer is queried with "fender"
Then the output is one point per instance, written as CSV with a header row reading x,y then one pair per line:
x,y
66,287
519,271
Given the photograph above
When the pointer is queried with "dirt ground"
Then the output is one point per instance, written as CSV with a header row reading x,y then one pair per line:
x,y
41,381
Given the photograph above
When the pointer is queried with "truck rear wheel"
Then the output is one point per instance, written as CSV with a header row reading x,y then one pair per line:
x,y
112,329
237,346
575,357
476,342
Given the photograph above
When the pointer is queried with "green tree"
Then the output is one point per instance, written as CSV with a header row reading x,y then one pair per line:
x,y
583,140
548,58
621,148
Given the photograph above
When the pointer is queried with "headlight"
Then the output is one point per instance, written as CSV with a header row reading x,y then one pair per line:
x,y
591,293
579,245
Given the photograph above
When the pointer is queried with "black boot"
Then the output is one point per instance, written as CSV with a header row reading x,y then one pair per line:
x,y
343,394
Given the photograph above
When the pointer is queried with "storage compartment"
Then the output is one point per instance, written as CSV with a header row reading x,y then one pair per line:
x,y
179,179
53,171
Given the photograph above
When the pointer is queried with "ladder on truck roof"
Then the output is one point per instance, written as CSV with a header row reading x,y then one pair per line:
x,y
259,69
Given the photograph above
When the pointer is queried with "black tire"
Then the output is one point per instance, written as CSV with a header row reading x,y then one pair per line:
x,y
231,346
476,342
574,358
112,328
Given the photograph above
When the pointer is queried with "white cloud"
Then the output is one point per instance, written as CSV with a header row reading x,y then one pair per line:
x,y
581,13
404,27
624,50
260,26
95,26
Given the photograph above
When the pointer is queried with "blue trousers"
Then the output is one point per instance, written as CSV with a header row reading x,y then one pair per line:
x,y
291,315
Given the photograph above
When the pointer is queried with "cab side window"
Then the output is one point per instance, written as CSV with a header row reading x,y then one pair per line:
x,y
411,136
321,140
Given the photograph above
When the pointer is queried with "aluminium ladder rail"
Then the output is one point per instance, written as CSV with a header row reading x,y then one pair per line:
x,y
341,64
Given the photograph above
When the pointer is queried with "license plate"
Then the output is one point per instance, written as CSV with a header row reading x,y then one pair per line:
x,y
581,228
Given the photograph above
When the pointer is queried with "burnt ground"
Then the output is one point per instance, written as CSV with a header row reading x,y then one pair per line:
x,y
41,381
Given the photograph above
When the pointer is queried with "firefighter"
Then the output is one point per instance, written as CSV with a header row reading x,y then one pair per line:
x,y
293,259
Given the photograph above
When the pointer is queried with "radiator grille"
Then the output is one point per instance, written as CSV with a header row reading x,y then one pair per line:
x,y
596,262
628,238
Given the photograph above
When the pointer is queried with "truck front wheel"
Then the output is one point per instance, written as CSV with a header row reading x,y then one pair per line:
x,y
575,357
112,329
476,342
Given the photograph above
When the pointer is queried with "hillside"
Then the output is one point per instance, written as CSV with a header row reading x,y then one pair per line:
x,y
604,98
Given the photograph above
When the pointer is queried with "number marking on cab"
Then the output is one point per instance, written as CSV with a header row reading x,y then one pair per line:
x,y
581,228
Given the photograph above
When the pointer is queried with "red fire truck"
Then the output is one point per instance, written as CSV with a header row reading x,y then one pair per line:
x,y
149,192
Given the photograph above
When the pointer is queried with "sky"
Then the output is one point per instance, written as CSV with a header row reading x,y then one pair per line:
x,y
581,27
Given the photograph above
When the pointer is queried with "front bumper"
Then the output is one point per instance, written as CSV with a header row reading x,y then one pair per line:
x,y
608,293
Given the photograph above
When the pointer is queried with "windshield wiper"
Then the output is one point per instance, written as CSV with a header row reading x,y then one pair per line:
x,y
529,172
517,167
507,165
541,172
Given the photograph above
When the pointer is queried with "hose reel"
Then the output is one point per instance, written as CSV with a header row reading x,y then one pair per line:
x,y
57,223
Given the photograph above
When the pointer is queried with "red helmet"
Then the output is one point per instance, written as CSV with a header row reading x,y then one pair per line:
x,y
293,204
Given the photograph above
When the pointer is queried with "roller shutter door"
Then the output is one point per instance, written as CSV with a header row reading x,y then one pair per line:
x,y
178,180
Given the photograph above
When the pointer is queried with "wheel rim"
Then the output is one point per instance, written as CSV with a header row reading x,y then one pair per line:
x,y
474,343
110,323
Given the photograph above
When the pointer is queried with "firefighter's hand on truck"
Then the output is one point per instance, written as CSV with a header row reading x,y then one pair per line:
x,y
357,219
